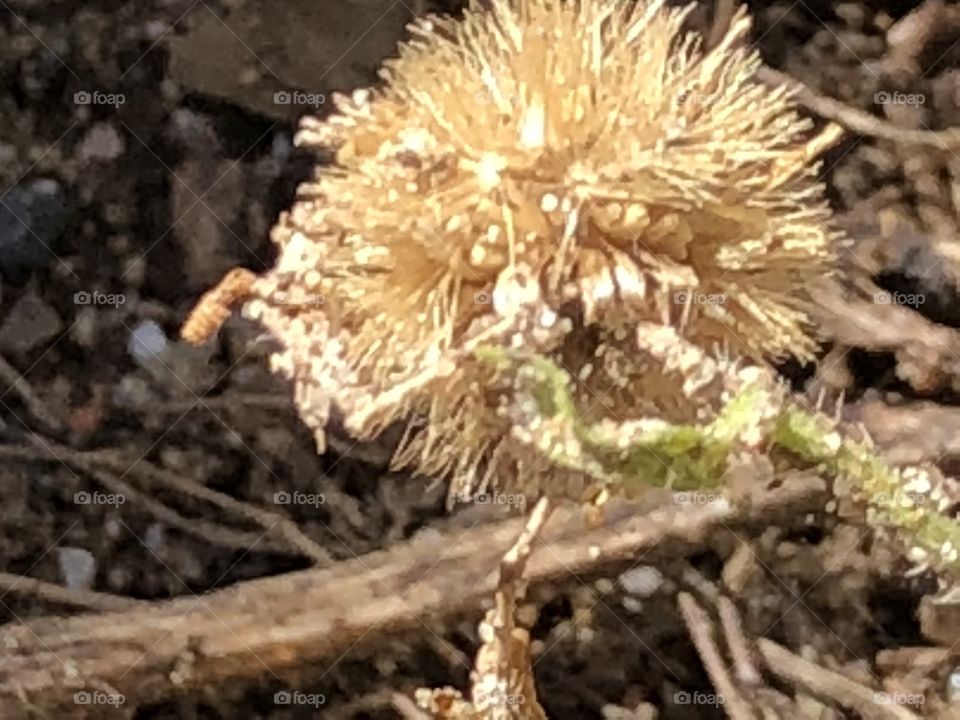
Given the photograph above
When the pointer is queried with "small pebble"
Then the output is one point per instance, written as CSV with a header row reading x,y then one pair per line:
x,y
30,323
32,218
280,148
84,330
78,568
953,687
642,581
155,537
112,528
103,142
133,393
146,343
604,586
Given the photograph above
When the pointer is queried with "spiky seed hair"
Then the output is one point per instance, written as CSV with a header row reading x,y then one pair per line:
x,y
544,175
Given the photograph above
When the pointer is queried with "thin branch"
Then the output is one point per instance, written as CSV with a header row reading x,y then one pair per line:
x,y
97,463
264,518
35,404
829,685
859,121
701,632
744,669
59,595
278,624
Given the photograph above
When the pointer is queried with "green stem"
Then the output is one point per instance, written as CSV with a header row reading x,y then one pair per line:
x,y
652,452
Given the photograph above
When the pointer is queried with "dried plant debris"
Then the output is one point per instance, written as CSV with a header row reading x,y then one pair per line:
x,y
502,686
544,177
755,417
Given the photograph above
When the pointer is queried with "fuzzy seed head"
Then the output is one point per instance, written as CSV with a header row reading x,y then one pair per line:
x,y
546,175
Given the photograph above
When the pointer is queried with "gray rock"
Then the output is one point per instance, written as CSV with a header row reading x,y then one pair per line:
x,y
642,581
30,323
155,537
953,687
134,393
78,567
102,142
33,216
147,343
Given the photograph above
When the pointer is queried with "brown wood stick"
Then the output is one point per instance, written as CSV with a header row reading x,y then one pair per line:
x,y
829,685
60,595
701,631
274,626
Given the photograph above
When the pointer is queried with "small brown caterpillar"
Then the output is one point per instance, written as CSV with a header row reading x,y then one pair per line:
x,y
213,309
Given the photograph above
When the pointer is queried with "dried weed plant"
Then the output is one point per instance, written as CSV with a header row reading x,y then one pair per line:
x,y
543,176
546,177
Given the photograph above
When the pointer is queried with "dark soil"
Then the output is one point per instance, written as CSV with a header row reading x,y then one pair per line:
x,y
142,156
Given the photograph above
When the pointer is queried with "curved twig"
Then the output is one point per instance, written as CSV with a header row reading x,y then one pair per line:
x,y
859,121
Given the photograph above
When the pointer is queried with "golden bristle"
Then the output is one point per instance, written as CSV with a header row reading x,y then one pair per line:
x,y
546,176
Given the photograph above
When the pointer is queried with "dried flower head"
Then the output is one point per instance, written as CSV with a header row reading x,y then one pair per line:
x,y
545,176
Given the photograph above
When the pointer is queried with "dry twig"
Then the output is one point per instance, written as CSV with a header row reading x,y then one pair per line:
x,y
828,685
701,630
59,595
96,464
279,624
859,121
34,403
